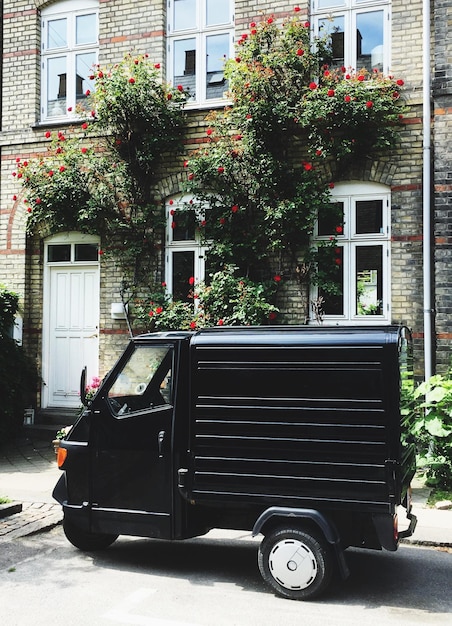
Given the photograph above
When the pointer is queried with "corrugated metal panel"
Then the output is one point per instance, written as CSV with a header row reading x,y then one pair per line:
x,y
300,424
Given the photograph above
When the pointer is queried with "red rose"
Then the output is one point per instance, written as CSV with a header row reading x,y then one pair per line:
x,y
48,134
87,92
209,131
191,176
220,169
326,73
180,88
62,168
100,75
237,59
330,93
347,98
169,96
400,82
51,173
84,126
318,152
297,9
338,261
361,78
339,229
159,309
131,80
331,185
157,66
191,280
253,31
307,24
369,104
38,201
220,322
84,150
272,315
312,86
277,278
222,221
300,52
192,325
270,20
235,208
307,167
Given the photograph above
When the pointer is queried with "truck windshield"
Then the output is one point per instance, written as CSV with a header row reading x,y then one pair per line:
x,y
143,382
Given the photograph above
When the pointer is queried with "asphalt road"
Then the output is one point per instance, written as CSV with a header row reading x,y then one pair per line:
x,y
209,581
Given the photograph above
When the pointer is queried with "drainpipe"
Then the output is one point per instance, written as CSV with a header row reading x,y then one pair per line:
x,y
427,225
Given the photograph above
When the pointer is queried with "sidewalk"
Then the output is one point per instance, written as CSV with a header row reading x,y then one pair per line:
x,y
28,473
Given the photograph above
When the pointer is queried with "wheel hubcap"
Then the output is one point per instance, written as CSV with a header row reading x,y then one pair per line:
x,y
292,564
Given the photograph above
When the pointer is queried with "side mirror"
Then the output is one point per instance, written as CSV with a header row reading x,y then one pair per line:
x,y
83,386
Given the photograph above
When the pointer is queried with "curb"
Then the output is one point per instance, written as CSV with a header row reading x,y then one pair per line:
x,y
30,519
10,508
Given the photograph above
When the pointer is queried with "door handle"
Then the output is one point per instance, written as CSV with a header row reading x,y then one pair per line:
x,y
161,439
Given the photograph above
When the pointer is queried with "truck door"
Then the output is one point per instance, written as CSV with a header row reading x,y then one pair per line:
x,y
131,452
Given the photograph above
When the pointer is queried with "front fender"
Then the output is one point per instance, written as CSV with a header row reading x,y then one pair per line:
x,y
59,492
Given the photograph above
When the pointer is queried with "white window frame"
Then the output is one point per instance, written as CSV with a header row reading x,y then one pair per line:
x,y
60,10
349,194
349,9
200,33
180,203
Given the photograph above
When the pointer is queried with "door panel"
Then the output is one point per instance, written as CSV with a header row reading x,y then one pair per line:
x,y
73,331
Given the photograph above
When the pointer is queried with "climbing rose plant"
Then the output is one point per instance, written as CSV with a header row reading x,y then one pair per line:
x,y
260,167
100,178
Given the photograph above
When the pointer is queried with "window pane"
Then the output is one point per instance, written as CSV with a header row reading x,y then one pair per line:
x,y
218,12
333,303
184,14
369,216
57,34
144,381
84,68
369,280
334,28
185,64
56,87
59,253
323,4
369,40
330,221
86,29
183,270
86,252
217,51
184,225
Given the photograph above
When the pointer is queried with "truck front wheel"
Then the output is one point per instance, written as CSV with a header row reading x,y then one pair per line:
x,y
84,540
295,564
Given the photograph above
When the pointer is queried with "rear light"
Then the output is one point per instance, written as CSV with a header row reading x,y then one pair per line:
x,y
61,456
395,528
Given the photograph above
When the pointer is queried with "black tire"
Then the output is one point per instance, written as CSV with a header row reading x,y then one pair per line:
x,y
296,564
86,541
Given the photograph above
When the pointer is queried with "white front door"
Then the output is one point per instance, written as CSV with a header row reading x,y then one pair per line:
x,y
71,326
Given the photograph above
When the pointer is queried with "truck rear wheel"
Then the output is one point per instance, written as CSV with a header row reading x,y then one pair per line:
x,y
295,564
84,540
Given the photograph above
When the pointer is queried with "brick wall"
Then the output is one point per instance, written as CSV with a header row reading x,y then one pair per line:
x,y
139,26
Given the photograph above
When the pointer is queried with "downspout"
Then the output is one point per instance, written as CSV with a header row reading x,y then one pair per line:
x,y
427,225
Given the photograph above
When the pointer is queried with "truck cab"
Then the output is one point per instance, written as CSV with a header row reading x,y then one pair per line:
x,y
294,433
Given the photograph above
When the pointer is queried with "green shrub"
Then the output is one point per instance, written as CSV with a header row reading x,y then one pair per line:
x,y
432,428
18,376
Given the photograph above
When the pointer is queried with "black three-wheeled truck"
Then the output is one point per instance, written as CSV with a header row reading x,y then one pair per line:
x,y
292,432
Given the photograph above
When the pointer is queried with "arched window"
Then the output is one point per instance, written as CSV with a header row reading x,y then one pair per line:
x,y
69,51
185,252
362,255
